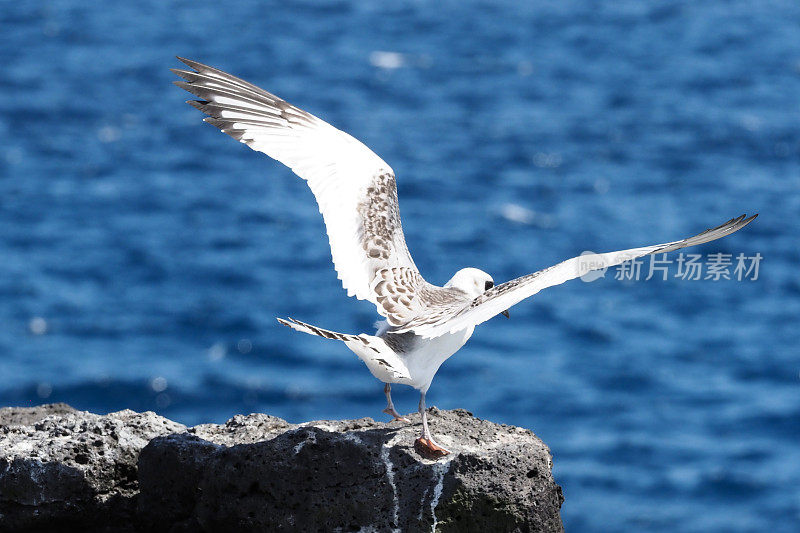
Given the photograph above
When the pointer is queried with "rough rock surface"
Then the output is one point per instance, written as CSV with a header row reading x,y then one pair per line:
x,y
260,473
61,468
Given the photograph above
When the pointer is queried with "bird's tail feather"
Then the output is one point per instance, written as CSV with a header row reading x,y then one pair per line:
x,y
381,360
314,330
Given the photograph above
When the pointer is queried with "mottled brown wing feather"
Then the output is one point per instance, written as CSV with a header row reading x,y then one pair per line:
x,y
354,188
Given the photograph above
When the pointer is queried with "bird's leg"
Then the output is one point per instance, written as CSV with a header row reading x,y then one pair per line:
x,y
425,445
390,410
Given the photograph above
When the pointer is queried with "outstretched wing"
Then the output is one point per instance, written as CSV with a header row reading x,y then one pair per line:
x,y
354,188
501,297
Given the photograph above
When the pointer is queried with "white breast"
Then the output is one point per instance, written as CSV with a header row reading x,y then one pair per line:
x,y
428,355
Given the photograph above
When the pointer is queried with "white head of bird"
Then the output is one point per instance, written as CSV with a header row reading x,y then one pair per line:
x,y
472,281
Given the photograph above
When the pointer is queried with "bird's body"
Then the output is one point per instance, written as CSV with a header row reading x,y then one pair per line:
x,y
357,195
402,358
424,356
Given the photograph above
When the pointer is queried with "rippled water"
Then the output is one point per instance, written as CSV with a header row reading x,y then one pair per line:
x,y
145,256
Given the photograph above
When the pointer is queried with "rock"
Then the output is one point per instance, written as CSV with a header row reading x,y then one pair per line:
x,y
27,416
65,468
259,473
170,471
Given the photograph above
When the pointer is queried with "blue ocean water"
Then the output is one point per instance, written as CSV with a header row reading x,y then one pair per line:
x,y
144,256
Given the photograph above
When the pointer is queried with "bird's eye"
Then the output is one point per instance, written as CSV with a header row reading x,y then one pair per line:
x,y
489,285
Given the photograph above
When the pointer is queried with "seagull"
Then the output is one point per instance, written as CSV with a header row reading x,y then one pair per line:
x,y
356,192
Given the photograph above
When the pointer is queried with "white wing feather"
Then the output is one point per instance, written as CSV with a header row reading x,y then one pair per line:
x,y
344,175
503,296
356,193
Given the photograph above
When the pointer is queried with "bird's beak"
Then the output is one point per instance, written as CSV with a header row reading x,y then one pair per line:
x,y
505,314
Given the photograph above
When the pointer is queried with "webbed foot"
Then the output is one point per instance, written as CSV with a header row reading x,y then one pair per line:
x,y
429,449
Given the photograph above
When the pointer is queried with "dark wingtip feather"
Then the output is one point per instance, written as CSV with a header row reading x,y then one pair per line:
x,y
712,234
196,90
221,124
185,74
749,220
225,127
198,104
194,64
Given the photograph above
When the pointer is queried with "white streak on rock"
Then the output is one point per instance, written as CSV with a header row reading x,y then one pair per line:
x,y
353,437
312,438
422,504
390,477
325,427
439,469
